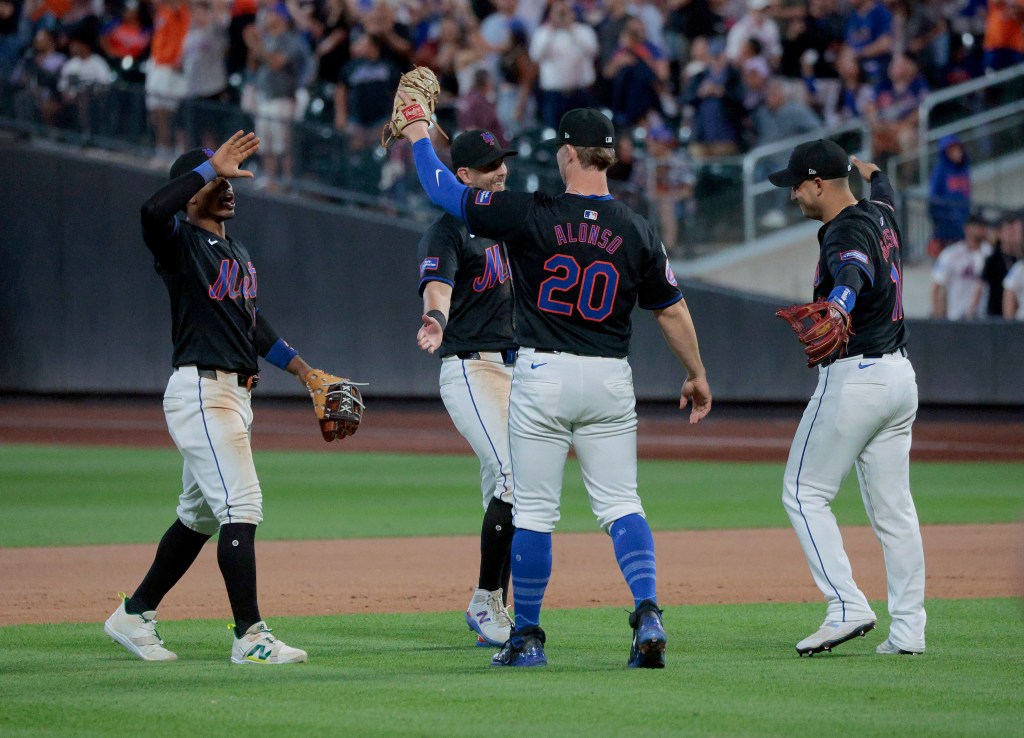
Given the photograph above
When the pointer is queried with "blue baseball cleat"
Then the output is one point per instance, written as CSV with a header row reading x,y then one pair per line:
x,y
649,639
523,648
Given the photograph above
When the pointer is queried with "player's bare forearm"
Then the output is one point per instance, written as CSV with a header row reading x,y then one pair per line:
x,y
299,368
677,327
437,302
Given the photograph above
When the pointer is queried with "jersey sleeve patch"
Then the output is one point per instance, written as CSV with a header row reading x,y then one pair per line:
x,y
429,264
483,197
670,275
854,255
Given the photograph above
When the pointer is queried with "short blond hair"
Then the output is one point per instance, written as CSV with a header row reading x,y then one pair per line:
x,y
595,157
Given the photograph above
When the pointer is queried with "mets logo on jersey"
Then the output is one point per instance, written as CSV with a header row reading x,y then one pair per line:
x,y
670,275
590,214
483,197
429,264
854,255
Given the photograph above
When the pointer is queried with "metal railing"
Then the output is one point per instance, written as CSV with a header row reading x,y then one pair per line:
x,y
854,136
968,101
994,144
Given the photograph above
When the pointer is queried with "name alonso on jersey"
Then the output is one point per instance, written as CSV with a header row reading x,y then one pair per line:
x,y
589,233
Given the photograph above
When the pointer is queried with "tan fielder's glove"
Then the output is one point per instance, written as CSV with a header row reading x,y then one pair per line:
x,y
415,100
823,327
337,402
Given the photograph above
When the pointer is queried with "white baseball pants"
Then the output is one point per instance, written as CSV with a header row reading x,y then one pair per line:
x,y
210,422
587,402
861,413
475,393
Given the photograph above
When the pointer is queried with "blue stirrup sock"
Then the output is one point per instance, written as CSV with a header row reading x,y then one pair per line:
x,y
634,551
531,570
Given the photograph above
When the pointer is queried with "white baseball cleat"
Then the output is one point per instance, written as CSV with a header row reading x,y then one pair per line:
x,y
137,633
831,634
889,648
487,615
258,646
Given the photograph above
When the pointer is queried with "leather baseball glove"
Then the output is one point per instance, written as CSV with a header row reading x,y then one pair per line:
x,y
337,402
415,100
823,327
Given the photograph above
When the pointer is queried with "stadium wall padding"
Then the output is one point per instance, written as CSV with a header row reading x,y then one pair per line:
x,y
81,309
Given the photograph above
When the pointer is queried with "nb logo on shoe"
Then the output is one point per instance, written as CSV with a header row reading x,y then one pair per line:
x,y
258,653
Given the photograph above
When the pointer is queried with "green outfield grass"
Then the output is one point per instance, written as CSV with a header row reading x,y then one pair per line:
x,y
77,495
732,671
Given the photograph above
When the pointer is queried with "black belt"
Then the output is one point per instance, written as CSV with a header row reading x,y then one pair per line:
x,y
508,356
249,381
901,351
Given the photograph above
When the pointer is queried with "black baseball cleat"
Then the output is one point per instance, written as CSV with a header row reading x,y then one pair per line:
x,y
523,648
831,634
649,639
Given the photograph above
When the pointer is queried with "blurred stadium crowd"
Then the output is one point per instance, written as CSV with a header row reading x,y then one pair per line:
x,y
688,82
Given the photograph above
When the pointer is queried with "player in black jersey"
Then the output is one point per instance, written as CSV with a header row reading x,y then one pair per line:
x,y
864,406
218,332
580,262
467,306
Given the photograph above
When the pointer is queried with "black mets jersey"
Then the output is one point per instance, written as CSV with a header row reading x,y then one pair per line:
x,y
480,317
866,235
212,285
580,264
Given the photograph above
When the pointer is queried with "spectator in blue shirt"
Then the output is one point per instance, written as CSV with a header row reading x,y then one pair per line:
x,y
869,34
894,113
949,194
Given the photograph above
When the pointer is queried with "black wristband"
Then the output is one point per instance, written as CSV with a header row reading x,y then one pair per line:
x,y
439,317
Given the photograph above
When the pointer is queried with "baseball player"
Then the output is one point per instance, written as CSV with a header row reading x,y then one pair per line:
x,y
581,261
467,319
864,406
218,332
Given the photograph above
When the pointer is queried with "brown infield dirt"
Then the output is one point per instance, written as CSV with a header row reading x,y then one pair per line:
x,y
77,584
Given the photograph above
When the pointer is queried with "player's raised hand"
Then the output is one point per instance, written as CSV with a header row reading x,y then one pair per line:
x,y
228,158
429,335
699,391
865,168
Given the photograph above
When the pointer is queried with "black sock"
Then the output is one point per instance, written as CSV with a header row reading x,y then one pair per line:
x,y
495,544
174,555
236,554
506,577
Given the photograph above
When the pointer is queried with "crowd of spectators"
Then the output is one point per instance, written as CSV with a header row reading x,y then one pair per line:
x,y
982,274
712,78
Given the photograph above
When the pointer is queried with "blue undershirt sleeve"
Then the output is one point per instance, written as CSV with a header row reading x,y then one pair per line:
x,y
441,186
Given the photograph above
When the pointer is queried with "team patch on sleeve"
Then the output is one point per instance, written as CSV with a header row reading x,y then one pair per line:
x,y
670,275
483,197
854,255
429,264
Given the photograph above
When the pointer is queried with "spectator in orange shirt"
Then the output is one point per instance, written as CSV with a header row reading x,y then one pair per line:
x,y
165,83
1004,34
127,38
